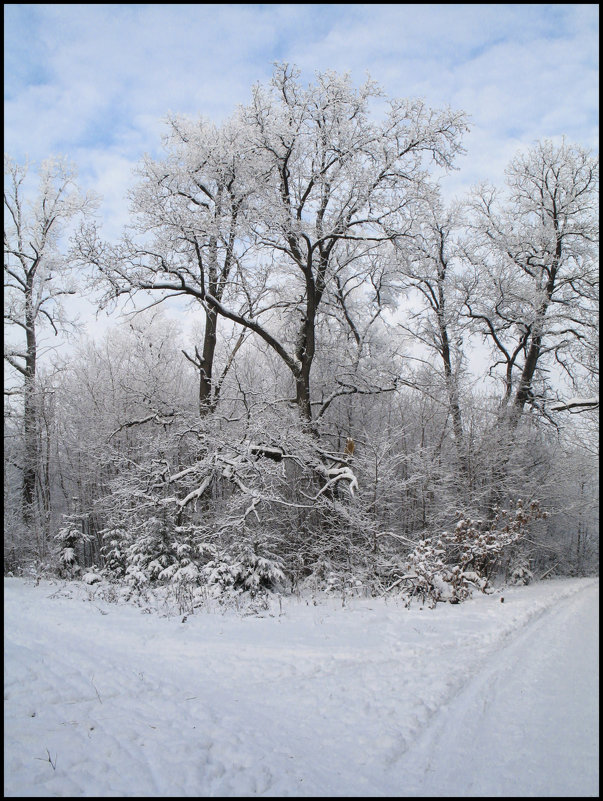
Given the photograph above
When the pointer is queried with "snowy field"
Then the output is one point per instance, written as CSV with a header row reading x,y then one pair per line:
x,y
484,698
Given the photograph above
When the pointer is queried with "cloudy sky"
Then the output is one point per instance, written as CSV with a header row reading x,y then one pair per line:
x,y
93,81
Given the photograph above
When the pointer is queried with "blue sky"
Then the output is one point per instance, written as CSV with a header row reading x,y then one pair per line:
x,y
93,81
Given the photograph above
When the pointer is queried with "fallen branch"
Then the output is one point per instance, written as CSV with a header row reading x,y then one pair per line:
x,y
550,570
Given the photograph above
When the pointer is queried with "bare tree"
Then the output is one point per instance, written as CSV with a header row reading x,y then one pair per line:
x,y
336,178
313,174
186,239
532,292
427,260
38,273
530,283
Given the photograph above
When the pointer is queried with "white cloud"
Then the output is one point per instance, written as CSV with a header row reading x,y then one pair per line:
x,y
94,81
110,69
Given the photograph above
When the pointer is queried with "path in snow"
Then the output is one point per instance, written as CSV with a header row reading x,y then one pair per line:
x,y
371,700
527,723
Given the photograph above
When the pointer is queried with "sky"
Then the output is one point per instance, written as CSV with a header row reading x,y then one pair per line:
x,y
93,82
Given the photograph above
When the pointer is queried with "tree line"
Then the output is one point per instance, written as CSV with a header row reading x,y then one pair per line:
x,y
340,300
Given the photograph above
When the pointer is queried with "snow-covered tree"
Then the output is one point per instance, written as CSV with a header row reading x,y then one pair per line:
x,y
530,285
305,177
532,289
38,273
187,238
429,263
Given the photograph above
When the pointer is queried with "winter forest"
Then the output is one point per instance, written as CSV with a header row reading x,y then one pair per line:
x,y
385,391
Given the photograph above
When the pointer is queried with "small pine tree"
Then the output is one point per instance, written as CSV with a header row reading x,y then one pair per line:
x,y
245,572
70,540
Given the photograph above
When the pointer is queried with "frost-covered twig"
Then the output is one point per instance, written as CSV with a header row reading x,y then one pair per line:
x,y
156,416
49,759
95,690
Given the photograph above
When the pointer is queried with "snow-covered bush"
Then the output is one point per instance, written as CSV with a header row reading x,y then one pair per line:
x,y
155,551
70,540
450,567
214,490
315,577
428,576
246,572
92,577
149,553
114,551
341,582
521,573
478,547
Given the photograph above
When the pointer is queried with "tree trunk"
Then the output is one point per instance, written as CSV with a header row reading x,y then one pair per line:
x,y
453,399
302,397
30,433
305,350
206,399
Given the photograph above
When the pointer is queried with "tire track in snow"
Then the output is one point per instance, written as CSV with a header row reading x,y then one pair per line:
x,y
103,729
280,697
466,663
509,732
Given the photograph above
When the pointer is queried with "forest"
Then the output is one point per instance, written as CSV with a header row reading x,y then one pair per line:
x,y
384,390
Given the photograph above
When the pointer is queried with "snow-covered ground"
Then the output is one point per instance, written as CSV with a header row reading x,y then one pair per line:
x,y
483,698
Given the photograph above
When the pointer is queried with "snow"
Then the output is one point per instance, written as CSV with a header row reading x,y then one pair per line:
x,y
582,403
303,698
91,578
336,474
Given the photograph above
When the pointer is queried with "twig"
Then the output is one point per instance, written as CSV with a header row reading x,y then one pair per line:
x,y
95,690
54,764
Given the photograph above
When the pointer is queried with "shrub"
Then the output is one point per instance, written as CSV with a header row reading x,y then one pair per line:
x,y
245,572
